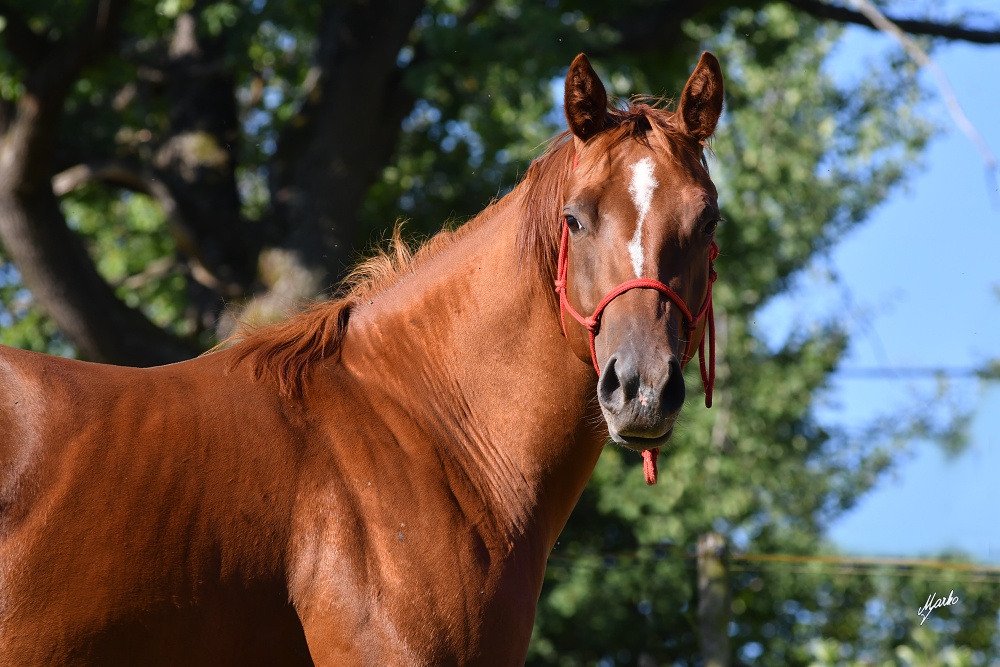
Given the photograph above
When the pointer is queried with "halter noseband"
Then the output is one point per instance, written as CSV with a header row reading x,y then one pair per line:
x,y
593,323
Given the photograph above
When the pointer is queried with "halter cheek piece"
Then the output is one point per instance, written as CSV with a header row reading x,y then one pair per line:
x,y
593,323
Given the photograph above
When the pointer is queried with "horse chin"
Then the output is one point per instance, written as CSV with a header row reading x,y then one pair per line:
x,y
642,443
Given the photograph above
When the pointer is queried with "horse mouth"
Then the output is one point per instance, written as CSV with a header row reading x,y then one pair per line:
x,y
642,443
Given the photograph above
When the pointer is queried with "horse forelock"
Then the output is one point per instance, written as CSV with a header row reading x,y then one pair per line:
x,y
284,353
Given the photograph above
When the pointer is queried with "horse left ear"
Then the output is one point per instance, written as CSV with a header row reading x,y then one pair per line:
x,y
701,101
586,101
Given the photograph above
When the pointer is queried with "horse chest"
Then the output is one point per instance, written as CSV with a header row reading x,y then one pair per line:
x,y
416,592
428,623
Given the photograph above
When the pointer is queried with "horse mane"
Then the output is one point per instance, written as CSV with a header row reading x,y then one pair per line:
x,y
283,353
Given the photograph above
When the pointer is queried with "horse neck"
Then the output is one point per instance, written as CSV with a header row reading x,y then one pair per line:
x,y
470,346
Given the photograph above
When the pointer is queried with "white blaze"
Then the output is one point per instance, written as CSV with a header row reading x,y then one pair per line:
x,y
641,187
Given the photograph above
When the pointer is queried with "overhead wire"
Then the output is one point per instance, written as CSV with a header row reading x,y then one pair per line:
x,y
793,563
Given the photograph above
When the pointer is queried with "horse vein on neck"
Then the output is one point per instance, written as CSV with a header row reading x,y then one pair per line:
x,y
641,187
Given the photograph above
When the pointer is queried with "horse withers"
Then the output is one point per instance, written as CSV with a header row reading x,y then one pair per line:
x,y
380,479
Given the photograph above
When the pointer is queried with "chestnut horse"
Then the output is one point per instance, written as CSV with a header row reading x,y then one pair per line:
x,y
378,480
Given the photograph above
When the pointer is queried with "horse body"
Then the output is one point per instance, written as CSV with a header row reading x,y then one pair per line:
x,y
380,493
196,493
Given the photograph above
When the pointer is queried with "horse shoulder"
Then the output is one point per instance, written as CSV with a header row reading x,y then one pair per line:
x,y
378,502
27,380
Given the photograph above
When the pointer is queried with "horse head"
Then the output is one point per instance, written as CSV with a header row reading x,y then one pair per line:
x,y
638,241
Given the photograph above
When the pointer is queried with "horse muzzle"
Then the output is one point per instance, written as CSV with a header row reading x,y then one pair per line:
x,y
640,404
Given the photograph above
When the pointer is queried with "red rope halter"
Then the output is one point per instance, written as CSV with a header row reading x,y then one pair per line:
x,y
593,324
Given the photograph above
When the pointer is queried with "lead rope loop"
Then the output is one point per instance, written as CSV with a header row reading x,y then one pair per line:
x,y
593,323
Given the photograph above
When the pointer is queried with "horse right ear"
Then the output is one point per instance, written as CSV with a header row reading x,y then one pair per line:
x,y
701,101
586,101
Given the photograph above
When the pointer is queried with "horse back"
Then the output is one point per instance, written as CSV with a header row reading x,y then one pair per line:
x,y
160,497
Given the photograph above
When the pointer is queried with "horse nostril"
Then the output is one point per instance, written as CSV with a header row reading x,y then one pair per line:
x,y
609,387
619,382
672,397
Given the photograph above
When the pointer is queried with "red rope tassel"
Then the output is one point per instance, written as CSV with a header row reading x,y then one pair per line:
x,y
649,465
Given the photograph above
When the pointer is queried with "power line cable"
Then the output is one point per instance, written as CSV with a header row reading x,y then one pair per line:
x,y
792,563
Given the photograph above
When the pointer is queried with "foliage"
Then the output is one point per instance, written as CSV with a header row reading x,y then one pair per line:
x,y
22,323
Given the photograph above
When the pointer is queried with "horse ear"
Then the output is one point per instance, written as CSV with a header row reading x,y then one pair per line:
x,y
701,101
586,101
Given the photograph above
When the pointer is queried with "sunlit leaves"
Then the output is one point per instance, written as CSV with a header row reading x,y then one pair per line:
x,y
133,250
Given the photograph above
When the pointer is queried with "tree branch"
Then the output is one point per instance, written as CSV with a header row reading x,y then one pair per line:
x,y
93,37
155,270
923,59
53,76
954,31
114,173
61,275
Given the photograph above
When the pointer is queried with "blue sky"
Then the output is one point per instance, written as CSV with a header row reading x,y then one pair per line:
x,y
923,283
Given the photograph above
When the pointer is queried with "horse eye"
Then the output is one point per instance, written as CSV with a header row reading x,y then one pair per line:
x,y
573,224
712,226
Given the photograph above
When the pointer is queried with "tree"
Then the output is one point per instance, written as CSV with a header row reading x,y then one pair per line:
x,y
168,167
263,142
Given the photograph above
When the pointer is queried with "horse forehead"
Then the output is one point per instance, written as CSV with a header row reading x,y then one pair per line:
x,y
672,165
637,177
648,182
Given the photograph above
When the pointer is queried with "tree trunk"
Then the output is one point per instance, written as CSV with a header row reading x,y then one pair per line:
x,y
329,156
713,600
197,161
